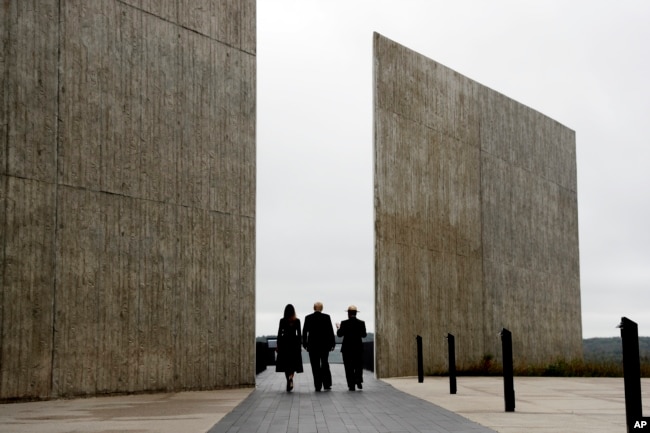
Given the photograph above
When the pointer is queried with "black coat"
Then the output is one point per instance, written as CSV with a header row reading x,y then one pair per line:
x,y
289,350
318,333
352,331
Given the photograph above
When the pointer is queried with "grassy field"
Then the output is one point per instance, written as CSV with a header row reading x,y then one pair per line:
x,y
602,358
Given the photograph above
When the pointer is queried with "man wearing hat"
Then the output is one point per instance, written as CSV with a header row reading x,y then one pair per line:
x,y
352,331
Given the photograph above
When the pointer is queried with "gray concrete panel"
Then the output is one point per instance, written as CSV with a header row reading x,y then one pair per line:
x,y
530,231
476,220
29,88
427,198
128,225
28,272
231,22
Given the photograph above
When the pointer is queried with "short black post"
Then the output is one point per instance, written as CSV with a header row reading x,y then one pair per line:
x,y
631,372
451,344
420,363
508,371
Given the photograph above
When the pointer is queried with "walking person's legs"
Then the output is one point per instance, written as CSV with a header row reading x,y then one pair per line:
x,y
314,360
348,364
358,370
289,376
326,374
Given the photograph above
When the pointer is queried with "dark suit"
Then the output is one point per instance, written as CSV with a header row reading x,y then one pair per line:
x,y
352,331
318,339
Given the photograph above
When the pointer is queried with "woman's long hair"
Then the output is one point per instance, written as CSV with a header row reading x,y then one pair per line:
x,y
289,313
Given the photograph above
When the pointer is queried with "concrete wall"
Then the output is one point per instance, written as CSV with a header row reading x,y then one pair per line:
x,y
127,196
475,221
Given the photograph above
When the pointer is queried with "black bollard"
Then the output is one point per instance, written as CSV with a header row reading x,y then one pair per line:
x,y
508,374
451,344
420,363
631,372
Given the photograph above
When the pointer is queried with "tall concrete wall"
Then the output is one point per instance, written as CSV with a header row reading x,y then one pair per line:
x,y
127,196
475,221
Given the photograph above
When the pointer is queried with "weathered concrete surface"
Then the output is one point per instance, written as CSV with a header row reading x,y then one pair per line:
x,y
476,220
190,411
542,404
127,196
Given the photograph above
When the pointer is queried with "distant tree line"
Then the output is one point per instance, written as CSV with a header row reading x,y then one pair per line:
x,y
611,349
603,357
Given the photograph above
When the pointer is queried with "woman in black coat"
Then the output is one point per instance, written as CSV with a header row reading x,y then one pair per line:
x,y
289,347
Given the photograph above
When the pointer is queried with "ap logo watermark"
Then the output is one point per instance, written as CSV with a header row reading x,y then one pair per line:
x,y
641,424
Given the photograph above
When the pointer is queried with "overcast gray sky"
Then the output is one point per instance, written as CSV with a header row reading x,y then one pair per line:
x,y
585,64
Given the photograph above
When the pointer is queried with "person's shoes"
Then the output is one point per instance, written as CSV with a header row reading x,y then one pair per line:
x,y
328,388
317,389
359,386
351,388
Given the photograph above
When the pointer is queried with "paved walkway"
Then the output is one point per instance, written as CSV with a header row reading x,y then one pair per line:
x,y
379,407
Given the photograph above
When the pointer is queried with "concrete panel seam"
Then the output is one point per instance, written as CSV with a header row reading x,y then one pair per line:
x,y
184,27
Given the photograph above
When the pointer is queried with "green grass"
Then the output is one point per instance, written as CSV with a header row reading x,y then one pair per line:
x,y
561,368
603,357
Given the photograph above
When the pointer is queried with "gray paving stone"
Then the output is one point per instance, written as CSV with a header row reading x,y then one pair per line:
x,y
377,408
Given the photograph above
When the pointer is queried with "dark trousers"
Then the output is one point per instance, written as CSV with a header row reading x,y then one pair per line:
x,y
320,368
353,363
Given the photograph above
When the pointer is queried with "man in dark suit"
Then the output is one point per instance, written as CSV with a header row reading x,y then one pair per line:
x,y
352,331
318,339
